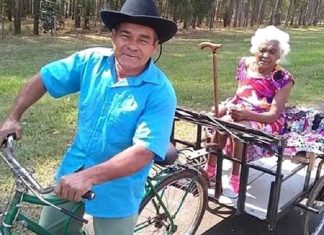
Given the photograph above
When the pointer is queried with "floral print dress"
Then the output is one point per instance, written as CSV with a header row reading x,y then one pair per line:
x,y
256,94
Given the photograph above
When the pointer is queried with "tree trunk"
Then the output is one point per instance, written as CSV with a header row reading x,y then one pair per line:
x,y
275,13
9,9
238,12
289,13
2,10
228,14
311,12
278,13
245,15
194,22
86,15
254,13
317,14
186,23
72,8
261,12
17,23
212,14
302,13
36,16
77,14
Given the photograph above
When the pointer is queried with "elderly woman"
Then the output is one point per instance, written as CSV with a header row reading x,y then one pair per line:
x,y
263,90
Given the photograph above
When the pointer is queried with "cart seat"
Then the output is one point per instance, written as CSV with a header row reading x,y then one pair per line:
x,y
170,157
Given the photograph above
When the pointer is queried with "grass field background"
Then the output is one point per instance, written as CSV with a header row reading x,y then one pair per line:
x,y
49,125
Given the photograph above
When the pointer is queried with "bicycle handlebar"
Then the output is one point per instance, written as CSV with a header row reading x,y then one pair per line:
x,y
23,174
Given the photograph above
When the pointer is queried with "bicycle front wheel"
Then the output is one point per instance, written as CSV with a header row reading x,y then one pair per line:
x,y
176,207
313,222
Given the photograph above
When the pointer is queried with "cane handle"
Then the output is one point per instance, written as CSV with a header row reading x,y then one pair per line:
x,y
212,46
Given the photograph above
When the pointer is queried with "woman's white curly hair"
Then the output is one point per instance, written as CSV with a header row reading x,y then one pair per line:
x,y
271,33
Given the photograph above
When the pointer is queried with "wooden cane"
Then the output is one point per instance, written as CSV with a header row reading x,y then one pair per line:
x,y
216,138
213,47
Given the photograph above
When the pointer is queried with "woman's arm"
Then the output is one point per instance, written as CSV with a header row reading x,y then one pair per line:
x,y
277,105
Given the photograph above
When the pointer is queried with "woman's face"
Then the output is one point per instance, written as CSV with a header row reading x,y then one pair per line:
x,y
267,55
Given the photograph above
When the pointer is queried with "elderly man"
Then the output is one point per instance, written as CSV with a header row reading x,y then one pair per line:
x,y
126,108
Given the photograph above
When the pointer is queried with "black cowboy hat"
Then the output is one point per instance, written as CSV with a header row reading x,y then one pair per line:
x,y
142,12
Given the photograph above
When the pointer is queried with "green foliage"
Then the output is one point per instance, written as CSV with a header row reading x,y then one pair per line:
x,y
49,12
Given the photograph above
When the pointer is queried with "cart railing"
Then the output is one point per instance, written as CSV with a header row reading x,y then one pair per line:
x,y
275,144
243,133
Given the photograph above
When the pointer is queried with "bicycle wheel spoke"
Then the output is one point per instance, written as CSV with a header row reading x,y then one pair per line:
x,y
177,208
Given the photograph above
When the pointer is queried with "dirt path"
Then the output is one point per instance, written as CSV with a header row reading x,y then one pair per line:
x,y
222,221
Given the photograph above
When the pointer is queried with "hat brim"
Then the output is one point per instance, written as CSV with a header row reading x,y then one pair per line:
x,y
164,28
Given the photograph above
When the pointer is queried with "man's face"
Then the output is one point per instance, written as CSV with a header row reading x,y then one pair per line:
x,y
133,44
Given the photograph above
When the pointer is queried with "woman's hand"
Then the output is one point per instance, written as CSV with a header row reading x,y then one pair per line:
x,y
239,114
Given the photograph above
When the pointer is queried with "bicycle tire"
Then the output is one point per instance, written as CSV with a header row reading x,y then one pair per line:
x,y
173,191
313,224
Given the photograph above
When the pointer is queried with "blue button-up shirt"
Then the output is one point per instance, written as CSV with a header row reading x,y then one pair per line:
x,y
113,115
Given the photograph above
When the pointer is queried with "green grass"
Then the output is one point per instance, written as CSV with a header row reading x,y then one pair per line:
x,y
190,68
49,125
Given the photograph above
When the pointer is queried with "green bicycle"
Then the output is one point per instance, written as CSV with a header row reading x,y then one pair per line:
x,y
174,201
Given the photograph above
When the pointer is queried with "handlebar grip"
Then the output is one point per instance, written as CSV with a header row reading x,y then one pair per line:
x,y
5,141
89,195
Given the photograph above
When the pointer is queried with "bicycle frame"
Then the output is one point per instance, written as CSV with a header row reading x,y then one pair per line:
x,y
14,214
24,183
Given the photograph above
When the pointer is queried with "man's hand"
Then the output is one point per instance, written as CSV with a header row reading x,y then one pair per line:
x,y
10,126
72,187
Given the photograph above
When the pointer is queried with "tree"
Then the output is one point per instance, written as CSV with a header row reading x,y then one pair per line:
x,y
9,6
290,15
212,14
86,11
276,13
36,16
246,13
228,13
17,23
311,10
302,13
254,12
238,12
261,12
2,17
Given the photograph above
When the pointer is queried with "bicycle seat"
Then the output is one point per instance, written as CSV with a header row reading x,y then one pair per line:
x,y
170,157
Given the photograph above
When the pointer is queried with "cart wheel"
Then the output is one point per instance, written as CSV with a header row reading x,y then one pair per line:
x,y
314,223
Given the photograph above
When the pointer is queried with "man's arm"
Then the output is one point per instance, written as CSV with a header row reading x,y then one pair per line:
x,y
131,160
32,91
